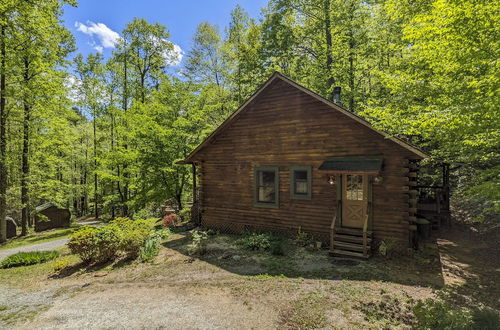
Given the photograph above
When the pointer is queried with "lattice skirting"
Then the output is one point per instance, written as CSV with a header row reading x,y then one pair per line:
x,y
238,228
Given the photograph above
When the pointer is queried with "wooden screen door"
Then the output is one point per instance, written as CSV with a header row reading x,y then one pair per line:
x,y
354,200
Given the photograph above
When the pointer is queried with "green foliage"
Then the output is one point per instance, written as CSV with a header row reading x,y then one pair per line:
x,y
255,241
96,244
150,249
28,258
61,264
391,247
440,314
198,245
486,319
133,234
185,214
263,241
303,239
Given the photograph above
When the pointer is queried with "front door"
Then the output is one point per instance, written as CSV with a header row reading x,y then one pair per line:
x,y
354,200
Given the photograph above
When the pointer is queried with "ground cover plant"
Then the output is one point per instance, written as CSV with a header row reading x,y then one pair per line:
x,y
28,258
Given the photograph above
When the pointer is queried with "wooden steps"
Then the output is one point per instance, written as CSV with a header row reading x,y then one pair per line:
x,y
351,243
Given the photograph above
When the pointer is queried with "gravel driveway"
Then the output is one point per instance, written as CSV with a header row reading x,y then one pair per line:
x,y
51,245
152,307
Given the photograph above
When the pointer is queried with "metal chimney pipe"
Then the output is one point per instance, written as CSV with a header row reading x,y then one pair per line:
x,y
336,95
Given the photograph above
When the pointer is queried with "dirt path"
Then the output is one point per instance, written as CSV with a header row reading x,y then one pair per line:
x,y
51,245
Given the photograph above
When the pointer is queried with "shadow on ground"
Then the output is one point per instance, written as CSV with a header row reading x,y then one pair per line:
x,y
471,267
422,269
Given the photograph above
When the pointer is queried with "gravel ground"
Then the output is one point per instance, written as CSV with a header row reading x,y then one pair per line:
x,y
20,306
52,245
152,307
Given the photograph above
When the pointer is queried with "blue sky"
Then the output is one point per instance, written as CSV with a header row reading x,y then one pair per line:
x,y
97,23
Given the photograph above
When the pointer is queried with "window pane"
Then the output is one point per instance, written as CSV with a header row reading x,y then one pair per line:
x,y
266,187
266,178
301,187
354,189
300,182
266,194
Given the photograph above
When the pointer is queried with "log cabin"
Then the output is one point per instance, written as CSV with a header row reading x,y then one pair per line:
x,y
289,159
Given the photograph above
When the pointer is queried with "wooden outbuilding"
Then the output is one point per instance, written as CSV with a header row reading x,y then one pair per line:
x,y
289,158
49,216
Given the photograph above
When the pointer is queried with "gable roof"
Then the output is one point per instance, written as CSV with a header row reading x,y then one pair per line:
x,y
277,75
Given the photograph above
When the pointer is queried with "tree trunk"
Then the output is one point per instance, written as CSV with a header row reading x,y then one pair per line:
x,y
3,142
330,81
351,69
96,196
25,156
125,146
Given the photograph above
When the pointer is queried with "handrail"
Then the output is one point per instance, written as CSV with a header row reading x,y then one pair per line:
x,y
332,230
332,226
365,225
365,238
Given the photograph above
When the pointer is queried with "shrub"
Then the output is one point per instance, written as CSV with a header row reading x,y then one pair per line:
x,y
185,214
161,234
255,241
134,234
263,241
61,264
198,245
391,247
150,249
170,219
96,244
28,258
303,238
439,314
277,247
486,319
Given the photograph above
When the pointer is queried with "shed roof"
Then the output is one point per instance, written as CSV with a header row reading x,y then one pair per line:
x,y
44,206
277,75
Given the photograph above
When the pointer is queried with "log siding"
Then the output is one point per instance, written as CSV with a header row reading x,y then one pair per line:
x,y
285,127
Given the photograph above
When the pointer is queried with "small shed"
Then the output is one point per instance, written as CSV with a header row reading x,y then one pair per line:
x,y
11,227
52,217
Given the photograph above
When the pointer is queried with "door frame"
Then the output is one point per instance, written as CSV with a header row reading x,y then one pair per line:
x,y
368,192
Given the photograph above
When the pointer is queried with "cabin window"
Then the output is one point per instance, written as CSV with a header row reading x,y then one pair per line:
x,y
266,186
300,182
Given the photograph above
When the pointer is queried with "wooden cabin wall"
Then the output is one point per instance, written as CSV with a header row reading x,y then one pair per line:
x,y
285,127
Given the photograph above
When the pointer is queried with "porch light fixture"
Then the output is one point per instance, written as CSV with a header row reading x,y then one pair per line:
x,y
331,180
378,179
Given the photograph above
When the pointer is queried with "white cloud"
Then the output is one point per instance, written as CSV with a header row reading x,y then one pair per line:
x,y
107,37
174,56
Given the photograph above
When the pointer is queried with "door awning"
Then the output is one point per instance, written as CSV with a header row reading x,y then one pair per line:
x,y
352,164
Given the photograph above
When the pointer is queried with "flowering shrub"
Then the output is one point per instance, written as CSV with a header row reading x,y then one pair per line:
x,y
170,219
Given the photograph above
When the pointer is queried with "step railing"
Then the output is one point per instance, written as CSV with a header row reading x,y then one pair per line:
x,y
332,231
365,237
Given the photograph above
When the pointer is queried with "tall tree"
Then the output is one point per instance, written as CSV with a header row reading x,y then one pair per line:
x,y
90,74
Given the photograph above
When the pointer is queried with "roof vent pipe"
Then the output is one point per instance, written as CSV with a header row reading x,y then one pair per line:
x,y
336,95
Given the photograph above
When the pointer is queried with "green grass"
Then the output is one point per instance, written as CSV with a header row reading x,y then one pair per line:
x,y
28,258
42,237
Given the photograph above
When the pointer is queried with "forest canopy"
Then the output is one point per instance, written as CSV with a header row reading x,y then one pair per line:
x,y
102,135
